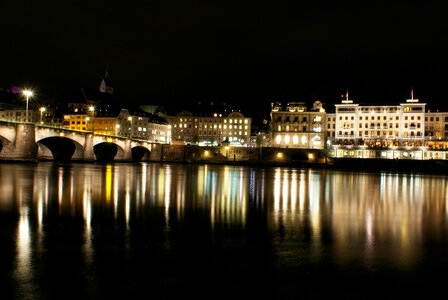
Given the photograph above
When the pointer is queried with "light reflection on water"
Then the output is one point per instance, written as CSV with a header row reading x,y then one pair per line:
x,y
312,217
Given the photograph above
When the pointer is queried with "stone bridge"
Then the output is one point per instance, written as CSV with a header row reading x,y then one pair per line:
x,y
33,142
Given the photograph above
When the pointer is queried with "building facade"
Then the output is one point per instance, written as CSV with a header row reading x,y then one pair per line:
x,y
294,126
234,129
377,125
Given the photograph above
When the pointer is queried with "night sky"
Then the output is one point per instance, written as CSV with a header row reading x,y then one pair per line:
x,y
241,52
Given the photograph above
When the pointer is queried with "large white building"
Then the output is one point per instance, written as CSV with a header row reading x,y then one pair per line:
x,y
402,131
377,125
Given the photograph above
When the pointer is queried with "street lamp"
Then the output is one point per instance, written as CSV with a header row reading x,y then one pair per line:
x,y
42,110
28,94
92,111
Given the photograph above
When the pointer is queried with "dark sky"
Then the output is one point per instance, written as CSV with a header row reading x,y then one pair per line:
x,y
246,52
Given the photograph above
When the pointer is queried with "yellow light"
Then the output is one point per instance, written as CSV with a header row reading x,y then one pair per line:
x,y
310,156
278,139
206,153
279,155
92,108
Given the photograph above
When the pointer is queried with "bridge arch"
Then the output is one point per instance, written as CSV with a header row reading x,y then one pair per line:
x,y
107,151
140,153
4,142
60,147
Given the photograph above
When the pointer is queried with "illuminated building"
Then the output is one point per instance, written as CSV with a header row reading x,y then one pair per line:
x,y
377,125
294,126
234,128
402,131
144,126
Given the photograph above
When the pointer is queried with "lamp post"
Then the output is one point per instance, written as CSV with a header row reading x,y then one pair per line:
x,y
42,110
92,112
28,94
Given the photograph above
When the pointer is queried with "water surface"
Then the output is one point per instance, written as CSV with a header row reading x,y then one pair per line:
x,y
149,230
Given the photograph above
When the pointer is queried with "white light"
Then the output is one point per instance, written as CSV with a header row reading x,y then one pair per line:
x,y
28,93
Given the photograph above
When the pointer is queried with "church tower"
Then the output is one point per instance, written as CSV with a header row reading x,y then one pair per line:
x,y
105,85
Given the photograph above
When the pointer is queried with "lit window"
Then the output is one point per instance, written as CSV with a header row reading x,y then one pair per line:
x,y
278,139
295,139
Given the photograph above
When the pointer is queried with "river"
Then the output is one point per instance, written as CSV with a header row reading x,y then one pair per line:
x,y
177,231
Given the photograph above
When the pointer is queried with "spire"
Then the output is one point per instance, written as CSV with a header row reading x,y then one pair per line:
x,y
105,85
